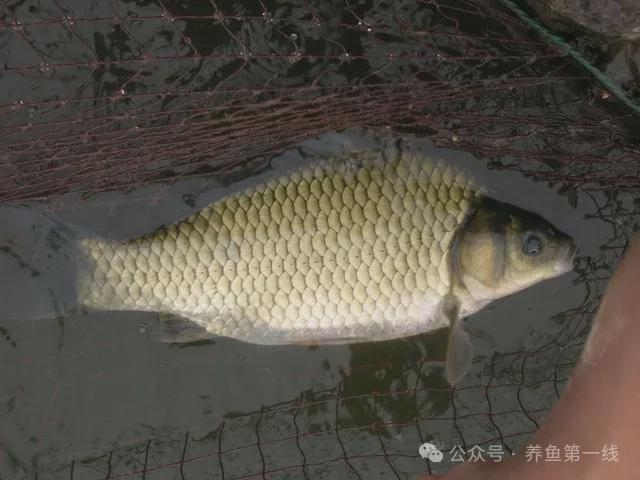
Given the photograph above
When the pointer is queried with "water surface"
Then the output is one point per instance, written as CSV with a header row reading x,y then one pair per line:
x,y
93,394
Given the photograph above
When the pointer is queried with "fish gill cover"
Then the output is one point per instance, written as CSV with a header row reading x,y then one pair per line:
x,y
99,96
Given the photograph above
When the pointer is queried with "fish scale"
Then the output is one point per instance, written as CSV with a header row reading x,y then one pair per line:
x,y
352,248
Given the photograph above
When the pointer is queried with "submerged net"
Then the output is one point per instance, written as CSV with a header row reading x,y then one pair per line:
x,y
121,94
124,93
390,401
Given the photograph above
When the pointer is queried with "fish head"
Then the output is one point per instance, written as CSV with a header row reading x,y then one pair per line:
x,y
502,249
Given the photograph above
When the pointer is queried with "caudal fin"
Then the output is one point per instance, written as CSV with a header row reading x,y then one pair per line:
x,y
39,260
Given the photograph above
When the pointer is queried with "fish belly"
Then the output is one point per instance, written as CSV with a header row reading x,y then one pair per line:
x,y
352,249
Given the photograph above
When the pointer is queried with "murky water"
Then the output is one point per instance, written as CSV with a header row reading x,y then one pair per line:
x,y
123,92
93,394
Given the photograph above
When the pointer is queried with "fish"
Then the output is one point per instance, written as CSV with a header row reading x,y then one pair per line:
x,y
364,246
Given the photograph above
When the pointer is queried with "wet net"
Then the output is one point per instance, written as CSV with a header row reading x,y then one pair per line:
x,y
370,424
120,94
113,95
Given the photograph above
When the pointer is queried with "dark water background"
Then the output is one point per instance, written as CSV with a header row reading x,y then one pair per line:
x,y
91,396
78,387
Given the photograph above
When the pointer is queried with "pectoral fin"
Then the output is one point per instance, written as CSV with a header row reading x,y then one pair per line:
x,y
459,348
176,329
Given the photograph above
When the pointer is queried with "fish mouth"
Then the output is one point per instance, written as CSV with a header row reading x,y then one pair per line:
x,y
568,261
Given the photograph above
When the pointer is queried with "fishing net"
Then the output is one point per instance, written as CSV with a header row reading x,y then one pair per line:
x,y
392,399
124,93
114,95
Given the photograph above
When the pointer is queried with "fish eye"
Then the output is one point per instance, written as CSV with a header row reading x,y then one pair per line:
x,y
532,244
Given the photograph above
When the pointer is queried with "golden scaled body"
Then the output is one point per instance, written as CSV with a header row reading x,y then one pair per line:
x,y
350,249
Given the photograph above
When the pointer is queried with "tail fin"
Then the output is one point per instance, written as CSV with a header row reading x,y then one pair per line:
x,y
39,261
